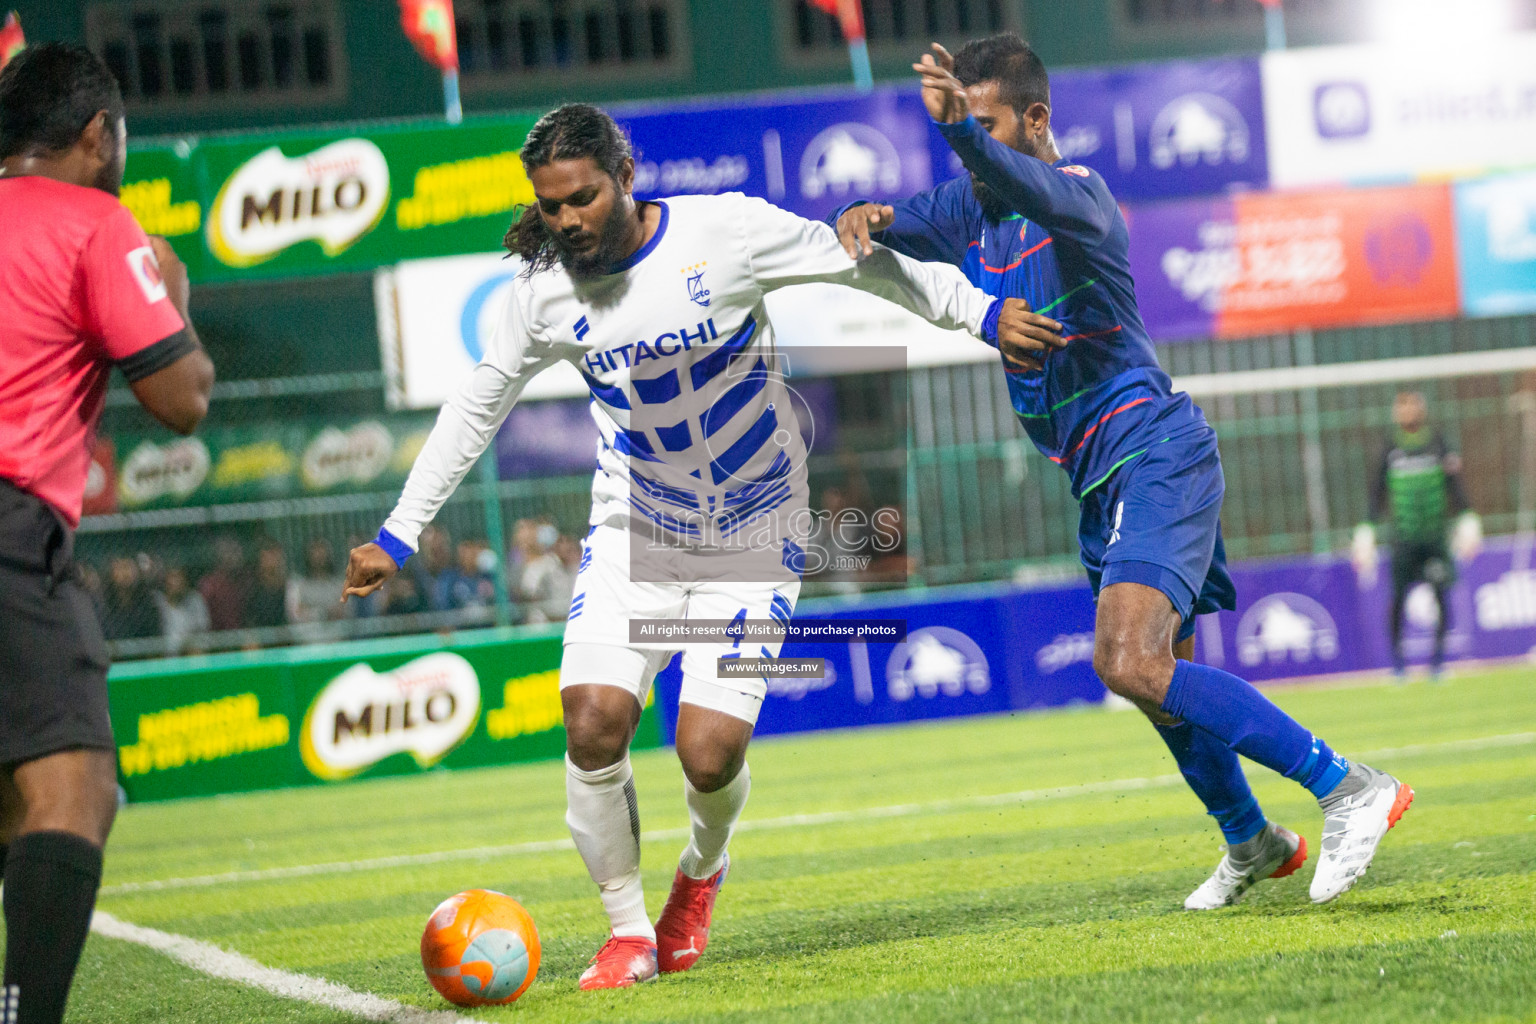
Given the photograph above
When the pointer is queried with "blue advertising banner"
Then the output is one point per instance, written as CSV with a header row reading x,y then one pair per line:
x,y
989,649
1496,244
810,155
968,651
1298,618
954,661
1178,128
547,439
1316,617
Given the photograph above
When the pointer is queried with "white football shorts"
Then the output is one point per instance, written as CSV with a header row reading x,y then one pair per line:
x,y
598,648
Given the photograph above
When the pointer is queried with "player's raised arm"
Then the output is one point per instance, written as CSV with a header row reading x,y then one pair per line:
x,y
463,431
1070,200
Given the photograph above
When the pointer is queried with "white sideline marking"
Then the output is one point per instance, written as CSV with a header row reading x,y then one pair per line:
x,y
220,963
786,821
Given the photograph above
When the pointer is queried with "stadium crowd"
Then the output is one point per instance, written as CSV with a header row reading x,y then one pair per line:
x,y
151,606
256,591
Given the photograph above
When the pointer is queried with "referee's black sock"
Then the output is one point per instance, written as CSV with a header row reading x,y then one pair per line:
x,y
51,880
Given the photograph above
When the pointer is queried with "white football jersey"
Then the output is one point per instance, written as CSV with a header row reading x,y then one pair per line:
x,y
698,432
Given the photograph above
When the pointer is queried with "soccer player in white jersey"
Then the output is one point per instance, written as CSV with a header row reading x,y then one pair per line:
x,y
700,474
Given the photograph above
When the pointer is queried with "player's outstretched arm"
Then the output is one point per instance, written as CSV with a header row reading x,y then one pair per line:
x,y
932,226
1077,204
784,250
463,432
856,225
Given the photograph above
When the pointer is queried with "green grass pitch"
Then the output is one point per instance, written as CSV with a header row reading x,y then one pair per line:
x,y
909,899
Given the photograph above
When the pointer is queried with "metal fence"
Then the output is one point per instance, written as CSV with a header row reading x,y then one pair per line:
x,y
1298,461
980,502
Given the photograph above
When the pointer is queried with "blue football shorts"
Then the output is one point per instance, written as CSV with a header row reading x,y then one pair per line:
x,y
1157,522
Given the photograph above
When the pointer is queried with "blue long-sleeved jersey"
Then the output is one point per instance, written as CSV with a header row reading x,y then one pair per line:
x,y
1103,399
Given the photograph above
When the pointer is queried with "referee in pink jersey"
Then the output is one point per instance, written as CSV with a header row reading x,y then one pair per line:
x,y
82,289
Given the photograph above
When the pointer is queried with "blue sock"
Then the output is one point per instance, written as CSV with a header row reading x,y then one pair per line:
x,y
1213,772
1247,722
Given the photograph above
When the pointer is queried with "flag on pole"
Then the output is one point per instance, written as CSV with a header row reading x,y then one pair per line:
x,y
428,25
850,16
12,41
1274,24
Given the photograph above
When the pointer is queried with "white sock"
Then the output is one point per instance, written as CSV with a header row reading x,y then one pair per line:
x,y
605,824
714,816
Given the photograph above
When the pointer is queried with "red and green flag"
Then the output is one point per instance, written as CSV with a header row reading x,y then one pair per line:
x,y
428,25
849,14
850,17
12,41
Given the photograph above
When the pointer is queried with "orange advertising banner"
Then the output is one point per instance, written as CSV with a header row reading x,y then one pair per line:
x,y
1256,263
1326,259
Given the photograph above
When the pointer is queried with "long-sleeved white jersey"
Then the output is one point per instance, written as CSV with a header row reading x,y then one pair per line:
x,y
698,434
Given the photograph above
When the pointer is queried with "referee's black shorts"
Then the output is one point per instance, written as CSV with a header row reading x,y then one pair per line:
x,y
53,656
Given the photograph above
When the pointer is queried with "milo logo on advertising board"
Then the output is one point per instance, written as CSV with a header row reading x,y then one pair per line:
x,y
356,456
154,471
334,196
426,707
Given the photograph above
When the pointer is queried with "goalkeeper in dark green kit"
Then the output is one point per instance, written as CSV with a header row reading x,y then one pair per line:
x,y
1418,491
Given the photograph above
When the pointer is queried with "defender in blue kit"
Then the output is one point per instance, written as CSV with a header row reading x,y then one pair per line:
x,y
1143,460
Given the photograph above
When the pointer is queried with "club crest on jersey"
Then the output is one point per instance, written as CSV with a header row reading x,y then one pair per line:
x,y
1075,169
696,290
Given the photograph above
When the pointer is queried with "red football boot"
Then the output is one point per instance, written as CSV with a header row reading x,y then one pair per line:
x,y
683,931
621,963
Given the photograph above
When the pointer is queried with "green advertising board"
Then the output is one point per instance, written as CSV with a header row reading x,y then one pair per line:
x,y
328,714
341,199
254,462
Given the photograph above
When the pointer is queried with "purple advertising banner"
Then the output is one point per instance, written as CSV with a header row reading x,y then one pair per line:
x,y
547,439
1182,257
1307,618
1157,131
1300,618
968,651
808,155
1180,128
979,650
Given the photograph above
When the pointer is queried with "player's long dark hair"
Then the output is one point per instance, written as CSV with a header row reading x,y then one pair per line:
x,y
570,132
49,94
1007,60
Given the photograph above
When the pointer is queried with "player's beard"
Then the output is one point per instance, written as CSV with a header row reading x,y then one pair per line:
x,y
993,205
596,261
